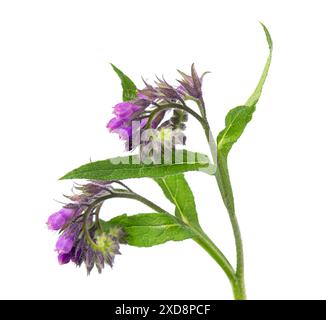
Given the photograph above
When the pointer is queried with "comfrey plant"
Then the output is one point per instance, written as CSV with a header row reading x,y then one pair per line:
x,y
152,122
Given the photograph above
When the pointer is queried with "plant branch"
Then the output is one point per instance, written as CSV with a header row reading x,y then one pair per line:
x,y
200,237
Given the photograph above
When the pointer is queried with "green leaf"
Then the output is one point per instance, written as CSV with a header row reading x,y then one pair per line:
x,y
235,123
129,88
177,190
238,118
150,229
257,92
132,167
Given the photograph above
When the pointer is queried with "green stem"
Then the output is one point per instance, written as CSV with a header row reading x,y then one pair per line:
x,y
224,184
229,203
209,246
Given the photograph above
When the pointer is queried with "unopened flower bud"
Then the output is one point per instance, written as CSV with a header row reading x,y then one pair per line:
x,y
57,220
64,244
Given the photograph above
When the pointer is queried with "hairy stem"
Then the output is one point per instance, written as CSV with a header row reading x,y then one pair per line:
x,y
224,184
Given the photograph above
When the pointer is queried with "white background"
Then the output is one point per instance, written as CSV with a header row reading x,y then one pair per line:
x,y
56,93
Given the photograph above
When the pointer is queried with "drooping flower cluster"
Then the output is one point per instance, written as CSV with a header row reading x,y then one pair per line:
x,y
81,239
159,108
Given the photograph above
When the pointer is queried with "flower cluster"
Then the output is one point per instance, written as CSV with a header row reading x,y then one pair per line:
x,y
155,121
159,108
81,239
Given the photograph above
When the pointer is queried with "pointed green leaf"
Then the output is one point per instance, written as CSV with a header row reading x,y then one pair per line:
x,y
257,92
150,229
129,88
177,190
238,118
132,167
235,123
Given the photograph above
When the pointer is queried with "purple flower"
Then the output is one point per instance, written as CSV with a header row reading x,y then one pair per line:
x,y
64,258
125,113
72,245
125,133
115,123
149,100
57,220
125,110
64,244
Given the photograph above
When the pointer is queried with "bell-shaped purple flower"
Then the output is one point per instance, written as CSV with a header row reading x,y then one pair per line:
x,y
57,220
64,244
124,113
125,121
64,258
125,110
114,124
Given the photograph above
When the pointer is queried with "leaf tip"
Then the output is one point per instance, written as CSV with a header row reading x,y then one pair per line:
x,y
63,177
268,36
113,66
69,175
